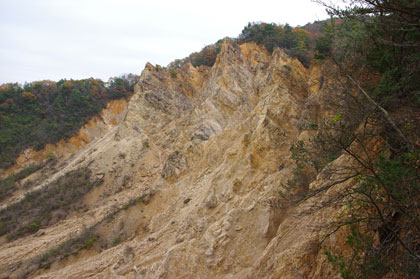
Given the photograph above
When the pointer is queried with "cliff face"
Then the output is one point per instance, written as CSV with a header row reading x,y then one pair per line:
x,y
204,152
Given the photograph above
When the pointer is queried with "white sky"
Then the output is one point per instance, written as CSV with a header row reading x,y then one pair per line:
x,y
54,39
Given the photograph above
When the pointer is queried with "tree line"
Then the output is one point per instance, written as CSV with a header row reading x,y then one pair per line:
x,y
41,112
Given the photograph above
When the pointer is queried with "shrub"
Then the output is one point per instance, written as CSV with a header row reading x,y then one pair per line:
x,y
9,184
173,73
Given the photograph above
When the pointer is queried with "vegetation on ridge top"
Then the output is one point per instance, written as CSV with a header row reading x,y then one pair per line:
x,y
296,41
44,112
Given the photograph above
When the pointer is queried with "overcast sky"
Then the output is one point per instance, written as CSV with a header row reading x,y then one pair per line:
x,y
54,39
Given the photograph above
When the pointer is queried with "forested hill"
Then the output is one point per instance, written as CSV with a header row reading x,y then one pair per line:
x,y
44,112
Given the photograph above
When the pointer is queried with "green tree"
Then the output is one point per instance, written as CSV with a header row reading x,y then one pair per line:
x,y
44,112
374,45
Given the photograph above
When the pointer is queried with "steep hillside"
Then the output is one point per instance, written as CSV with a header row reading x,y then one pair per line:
x,y
44,112
190,179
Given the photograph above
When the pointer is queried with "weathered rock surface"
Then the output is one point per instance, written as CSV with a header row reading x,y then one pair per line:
x,y
208,148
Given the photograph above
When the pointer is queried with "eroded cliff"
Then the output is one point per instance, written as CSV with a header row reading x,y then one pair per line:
x,y
191,171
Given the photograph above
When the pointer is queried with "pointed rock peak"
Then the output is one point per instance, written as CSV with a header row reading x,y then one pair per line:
x,y
278,53
149,66
188,67
281,58
229,46
230,52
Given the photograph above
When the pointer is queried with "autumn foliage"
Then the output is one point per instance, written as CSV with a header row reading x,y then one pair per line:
x,y
44,112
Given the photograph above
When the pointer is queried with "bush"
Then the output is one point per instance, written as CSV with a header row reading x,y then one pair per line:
x,y
9,184
173,73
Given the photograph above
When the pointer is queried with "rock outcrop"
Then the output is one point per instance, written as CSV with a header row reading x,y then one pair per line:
x,y
192,171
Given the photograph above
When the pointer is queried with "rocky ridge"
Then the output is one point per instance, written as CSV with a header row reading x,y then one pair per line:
x,y
192,167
